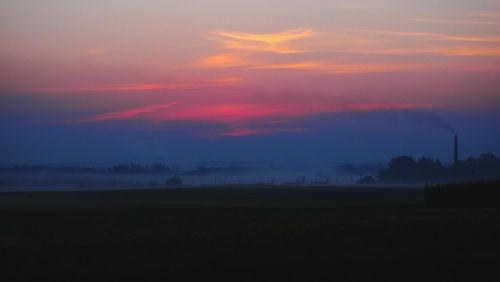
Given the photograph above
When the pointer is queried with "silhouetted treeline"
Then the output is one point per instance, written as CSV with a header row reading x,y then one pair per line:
x,y
118,169
407,169
136,168
472,194
200,171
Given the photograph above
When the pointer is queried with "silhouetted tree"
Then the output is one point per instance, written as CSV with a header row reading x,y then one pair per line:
x,y
119,169
401,169
160,168
202,170
429,169
406,169
174,181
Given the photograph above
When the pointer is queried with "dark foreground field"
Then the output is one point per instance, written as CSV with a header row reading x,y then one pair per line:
x,y
244,234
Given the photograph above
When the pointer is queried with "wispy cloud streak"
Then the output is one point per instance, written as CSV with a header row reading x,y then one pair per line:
x,y
238,113
455,22
124,87
263,42
127,114
440,36
327,45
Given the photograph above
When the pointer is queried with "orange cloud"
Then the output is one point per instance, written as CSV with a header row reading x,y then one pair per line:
x,y
306,65
264,42
227,60
354,68
118,87
270,38
134,87
369,42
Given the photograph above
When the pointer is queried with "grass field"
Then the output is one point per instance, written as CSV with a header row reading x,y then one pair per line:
x,y
243,234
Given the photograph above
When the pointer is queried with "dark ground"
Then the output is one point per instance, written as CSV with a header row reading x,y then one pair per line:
x,y
244,234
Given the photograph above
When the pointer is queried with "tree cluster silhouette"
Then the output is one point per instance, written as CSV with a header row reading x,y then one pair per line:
x,y
131,168
174,181
407,169
137,168
202,170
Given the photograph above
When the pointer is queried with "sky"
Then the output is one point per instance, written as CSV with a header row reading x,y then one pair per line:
x,y
179,81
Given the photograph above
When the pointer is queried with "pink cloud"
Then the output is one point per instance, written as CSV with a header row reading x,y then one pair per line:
x,y
127,114
240,113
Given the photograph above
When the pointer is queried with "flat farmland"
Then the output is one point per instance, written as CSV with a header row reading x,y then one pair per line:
x,y
243,234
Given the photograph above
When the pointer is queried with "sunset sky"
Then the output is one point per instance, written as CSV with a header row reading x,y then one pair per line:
x,y
173,81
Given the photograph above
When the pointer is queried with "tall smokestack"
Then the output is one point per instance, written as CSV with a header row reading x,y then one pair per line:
x,y
455,155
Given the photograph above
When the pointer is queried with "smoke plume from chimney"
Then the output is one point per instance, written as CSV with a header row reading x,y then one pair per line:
x,y
431,120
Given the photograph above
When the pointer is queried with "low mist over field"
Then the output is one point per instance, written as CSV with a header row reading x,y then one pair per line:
x,y
18,178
